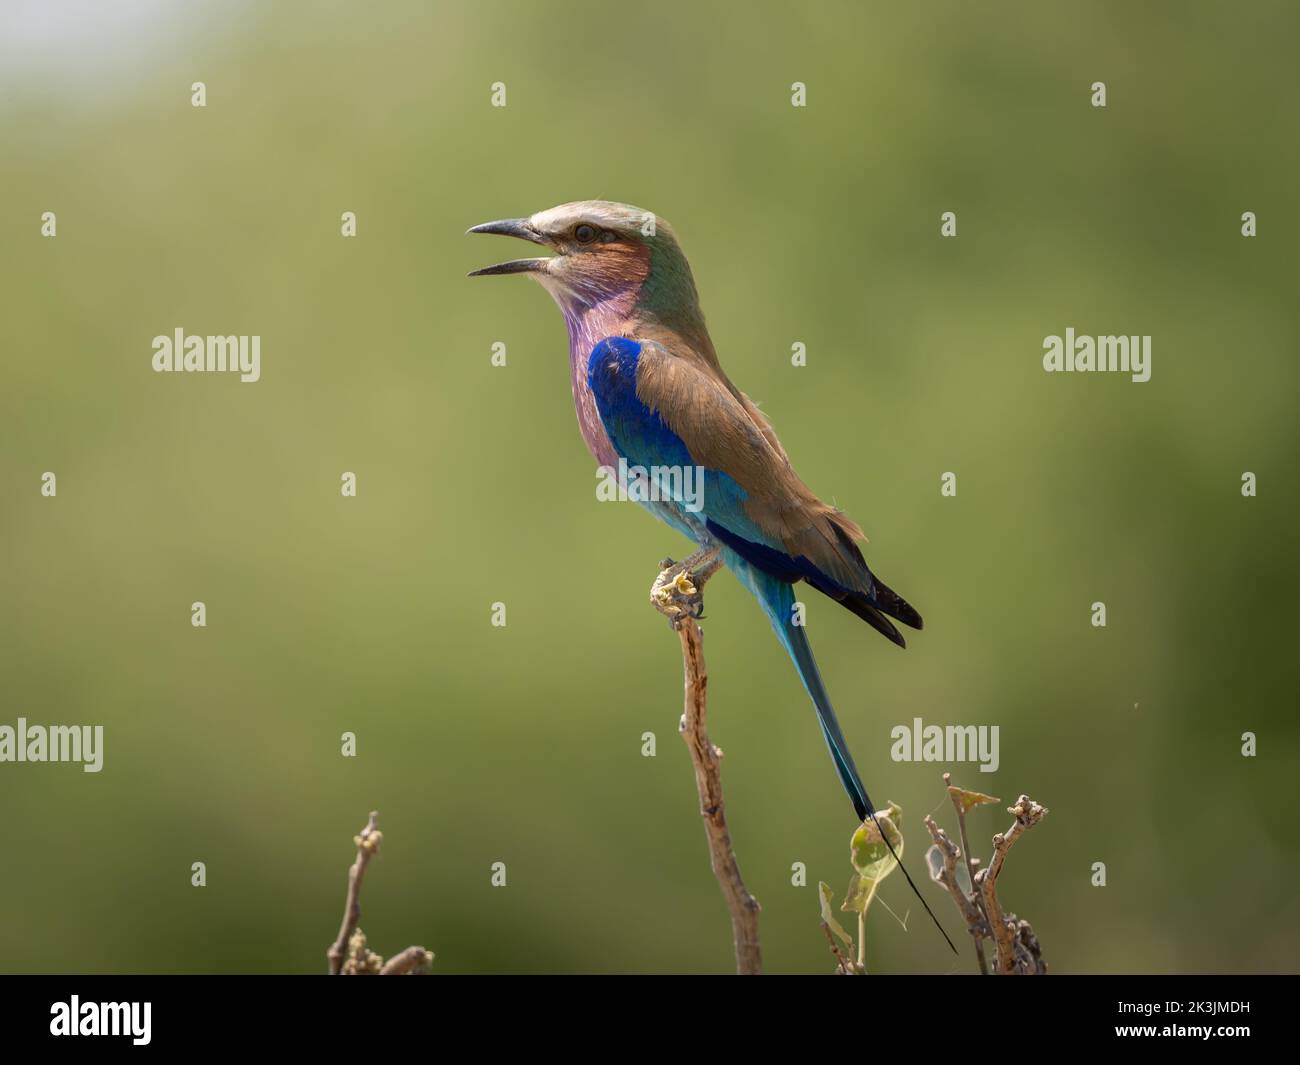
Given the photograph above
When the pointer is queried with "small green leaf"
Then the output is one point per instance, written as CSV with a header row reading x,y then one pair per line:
x,y
869,854
969,799
858,897
825,893
871,857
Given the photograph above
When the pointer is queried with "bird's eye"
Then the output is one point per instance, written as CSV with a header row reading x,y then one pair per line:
x,y
584,234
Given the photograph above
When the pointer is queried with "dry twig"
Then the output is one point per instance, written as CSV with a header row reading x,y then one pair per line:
x,y
411,960
970,912
971,863
678,594
843,966
1016,945
348,954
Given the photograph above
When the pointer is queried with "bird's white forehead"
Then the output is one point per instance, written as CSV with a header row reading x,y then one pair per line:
x,y
595,212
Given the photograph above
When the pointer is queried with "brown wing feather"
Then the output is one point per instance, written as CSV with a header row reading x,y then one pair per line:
x,y
724,431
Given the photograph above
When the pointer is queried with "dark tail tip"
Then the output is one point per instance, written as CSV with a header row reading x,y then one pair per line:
x,y
887,601
860,606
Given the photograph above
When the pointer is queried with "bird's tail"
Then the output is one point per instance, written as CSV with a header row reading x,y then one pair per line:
x,y
777,598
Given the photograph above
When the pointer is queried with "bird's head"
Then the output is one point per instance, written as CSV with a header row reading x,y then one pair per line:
x,y
601,251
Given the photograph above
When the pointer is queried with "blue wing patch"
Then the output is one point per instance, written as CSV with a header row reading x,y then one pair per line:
x,y
637,433
643,438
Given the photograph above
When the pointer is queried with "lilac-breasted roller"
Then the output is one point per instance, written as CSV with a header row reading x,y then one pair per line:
x,y
649,389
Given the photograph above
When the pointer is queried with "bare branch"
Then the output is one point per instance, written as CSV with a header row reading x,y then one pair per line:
x,y
708,782
970,869
845,969
349,955
367,846
677,593
1016,944
970,912
411,960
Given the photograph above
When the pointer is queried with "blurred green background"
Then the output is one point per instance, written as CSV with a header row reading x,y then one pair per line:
x,y
821,225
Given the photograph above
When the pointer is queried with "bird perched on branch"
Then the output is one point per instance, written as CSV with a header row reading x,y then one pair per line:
x,y
649,390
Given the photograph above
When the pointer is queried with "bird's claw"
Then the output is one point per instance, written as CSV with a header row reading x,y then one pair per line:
x,y
678,592
675,596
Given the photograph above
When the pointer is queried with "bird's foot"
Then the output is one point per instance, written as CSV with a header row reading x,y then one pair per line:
x,y
675,595
678,591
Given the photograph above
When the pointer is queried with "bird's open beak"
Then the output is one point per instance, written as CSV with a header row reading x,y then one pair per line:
x,y
511,227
